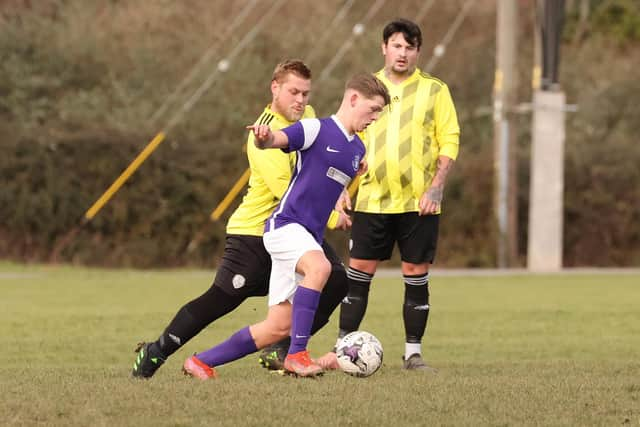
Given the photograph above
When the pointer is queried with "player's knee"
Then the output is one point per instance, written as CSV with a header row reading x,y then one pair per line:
x,y
324,269
409,269
319,272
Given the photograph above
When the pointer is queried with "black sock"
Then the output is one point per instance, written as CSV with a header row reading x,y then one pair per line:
x,y
354,306
194,317
182,328
416,306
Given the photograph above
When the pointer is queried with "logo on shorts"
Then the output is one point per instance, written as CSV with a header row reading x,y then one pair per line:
x,y
350,244
238,281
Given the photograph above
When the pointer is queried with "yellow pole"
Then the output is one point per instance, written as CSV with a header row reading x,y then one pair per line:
x,y
135,164
224,204
353,187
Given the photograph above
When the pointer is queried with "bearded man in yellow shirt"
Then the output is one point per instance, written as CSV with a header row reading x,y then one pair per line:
x,y
410,150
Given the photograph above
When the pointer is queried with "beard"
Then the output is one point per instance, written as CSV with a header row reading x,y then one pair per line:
x,y
403,69
294,115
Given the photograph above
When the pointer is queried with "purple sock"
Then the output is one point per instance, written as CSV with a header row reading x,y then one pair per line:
x,y
238,345
305,303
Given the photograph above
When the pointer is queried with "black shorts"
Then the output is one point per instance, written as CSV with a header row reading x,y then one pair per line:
x,y
374,235
246,266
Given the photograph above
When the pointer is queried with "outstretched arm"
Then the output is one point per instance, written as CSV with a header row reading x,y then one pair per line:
x,y
432,198
266,138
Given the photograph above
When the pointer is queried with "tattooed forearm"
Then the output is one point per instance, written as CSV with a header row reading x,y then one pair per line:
x,y
435,194
443,166
436,190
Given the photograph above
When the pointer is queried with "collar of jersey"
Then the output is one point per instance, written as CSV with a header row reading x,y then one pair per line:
x,y
277,115
408,80
307,114
341,127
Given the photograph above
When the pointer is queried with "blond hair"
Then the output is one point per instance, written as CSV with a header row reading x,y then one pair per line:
x,y
291,66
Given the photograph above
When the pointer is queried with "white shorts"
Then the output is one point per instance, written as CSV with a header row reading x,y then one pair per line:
x,y
286,245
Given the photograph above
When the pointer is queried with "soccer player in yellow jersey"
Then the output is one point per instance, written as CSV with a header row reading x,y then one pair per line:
x,y
410,150
246,265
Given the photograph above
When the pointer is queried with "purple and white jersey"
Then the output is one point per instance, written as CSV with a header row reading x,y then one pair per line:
x,y
327,160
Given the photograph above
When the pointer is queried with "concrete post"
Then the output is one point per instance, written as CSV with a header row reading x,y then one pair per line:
x,y
547,182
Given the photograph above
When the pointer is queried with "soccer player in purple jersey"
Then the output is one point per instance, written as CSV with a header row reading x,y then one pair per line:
x,y
246,265
329,155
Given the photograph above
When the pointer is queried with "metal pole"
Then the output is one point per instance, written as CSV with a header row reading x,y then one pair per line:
x,y
505,188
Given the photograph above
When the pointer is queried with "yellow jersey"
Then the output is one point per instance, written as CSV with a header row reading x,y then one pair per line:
x,y
403,145
270,175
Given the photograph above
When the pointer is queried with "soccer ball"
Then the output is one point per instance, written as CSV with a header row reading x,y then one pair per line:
x,y
359,354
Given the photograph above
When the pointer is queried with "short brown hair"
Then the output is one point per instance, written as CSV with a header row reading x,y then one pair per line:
x,y
293,66
369,86
410,31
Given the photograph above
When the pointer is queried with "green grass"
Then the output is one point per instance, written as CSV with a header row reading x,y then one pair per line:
x,y
511,350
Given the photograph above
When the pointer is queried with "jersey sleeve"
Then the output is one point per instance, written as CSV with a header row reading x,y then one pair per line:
x,y
273,166
301,134
446,124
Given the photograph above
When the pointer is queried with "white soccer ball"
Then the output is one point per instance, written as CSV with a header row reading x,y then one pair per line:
x,y
359,354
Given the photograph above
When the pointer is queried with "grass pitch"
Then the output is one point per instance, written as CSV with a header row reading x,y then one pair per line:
x,y
511,350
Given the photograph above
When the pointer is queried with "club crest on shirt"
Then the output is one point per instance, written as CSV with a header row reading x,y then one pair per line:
x,y
356,163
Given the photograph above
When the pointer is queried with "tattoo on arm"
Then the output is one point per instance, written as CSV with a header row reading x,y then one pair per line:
x,y
435,194
443,166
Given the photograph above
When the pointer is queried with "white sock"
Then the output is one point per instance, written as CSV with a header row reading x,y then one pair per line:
x,y
411,348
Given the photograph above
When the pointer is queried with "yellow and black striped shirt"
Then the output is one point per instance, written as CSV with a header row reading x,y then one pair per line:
x,y
270,175
403,145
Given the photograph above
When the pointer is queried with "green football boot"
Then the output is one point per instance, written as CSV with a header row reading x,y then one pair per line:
x,y
148,361
272,357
